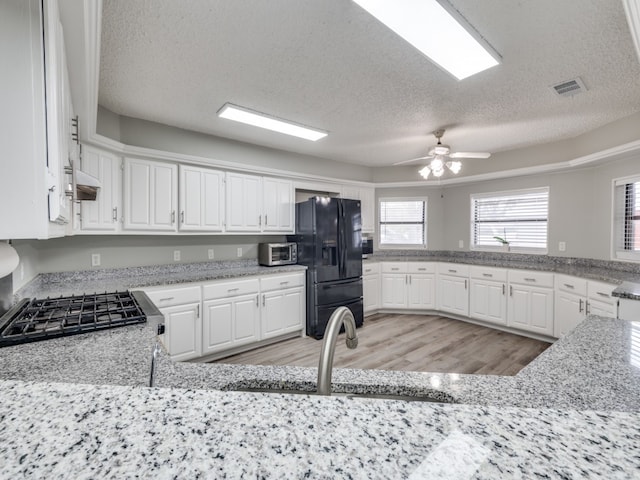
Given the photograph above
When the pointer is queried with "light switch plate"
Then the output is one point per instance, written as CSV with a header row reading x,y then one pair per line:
x,y
460,243
176,255
95,259
562,246
239,252
210,253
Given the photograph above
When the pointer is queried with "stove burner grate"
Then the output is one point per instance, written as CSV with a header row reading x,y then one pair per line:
x,y
41,319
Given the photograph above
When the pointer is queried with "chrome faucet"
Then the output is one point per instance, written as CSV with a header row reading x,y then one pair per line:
x,y
341,316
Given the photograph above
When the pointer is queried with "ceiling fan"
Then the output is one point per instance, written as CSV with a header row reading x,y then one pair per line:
x,y
441,156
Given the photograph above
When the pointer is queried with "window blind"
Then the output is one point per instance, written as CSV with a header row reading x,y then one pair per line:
x,y
520,218
627,216
403,222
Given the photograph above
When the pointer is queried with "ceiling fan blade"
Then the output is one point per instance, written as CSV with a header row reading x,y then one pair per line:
x,y
470,155
413,160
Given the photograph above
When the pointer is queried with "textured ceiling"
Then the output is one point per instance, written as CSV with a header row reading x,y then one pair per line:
x,y
330,65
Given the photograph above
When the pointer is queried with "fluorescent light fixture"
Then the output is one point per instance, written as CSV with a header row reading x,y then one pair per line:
x,y
437,30
257,119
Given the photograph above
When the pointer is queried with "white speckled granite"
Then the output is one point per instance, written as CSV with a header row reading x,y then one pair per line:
x,y
122,432
102,423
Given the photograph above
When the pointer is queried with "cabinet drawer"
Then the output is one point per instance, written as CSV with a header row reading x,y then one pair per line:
x,y
525,277
168,297
370,268
488,273
570,284
453,269
421,267
279,282
600,291
224,289
394,267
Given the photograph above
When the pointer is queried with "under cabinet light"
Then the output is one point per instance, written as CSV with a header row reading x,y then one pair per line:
x,y
257,119
436,29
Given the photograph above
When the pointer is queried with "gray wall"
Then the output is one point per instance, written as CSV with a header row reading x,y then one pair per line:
x,y
74,253
141,133
580,207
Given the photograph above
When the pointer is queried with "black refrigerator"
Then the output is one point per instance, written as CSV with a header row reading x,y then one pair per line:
x,y
329,238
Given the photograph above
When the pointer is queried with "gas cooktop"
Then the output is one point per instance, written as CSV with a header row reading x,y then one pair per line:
x,y
41,319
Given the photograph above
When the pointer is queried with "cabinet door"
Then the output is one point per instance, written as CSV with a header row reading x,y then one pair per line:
x,y
201,199
488,301
541,311
282,312
603,309
569,310
394,290
368,209
103,213
278,205
371,293
453,295
246,320
150,195
183,330
244,194
518,312
421,291
217,326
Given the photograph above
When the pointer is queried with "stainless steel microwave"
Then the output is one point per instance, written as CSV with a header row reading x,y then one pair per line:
x,y
273,254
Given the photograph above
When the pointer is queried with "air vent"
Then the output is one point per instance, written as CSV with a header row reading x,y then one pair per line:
x,y
570,87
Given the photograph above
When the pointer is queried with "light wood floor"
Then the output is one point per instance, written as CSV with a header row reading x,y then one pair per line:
x,y
421,343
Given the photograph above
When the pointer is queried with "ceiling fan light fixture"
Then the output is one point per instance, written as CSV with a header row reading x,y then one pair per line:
x,y
454,166
425,172
257,119
438,173
437,30
441,149
437,163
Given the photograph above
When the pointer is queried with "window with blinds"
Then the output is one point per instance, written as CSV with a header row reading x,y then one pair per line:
x,y
627,218
520,218
403,222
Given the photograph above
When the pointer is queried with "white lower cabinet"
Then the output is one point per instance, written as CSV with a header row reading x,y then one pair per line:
x,y
488,294
230,322
530,302
371,287
453,288
283,304
182,320
408,285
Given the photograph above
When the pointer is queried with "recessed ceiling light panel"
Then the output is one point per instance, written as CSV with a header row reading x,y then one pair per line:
x,y
257,119
440,33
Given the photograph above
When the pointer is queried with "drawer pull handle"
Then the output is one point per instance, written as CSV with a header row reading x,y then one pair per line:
x,y
422,269
603,294
452,271
503,289
395,269
487,275
166,299
529,279
568,285
233,290
284,283
580,306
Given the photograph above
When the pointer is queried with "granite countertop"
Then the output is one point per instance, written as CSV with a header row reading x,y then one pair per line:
x,y
572,413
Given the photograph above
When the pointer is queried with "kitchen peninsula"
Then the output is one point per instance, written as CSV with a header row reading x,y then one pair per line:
x,y
572,413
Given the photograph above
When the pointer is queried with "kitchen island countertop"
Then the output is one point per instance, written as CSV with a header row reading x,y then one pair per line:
x,y
572,413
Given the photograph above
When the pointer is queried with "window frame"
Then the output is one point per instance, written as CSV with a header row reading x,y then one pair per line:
x,y
498,247
616,253
397,246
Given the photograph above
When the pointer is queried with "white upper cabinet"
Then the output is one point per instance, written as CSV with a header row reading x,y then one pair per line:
x,y
102,214
257,204
36,121
201,199
150,195
278,205
367,198
244,195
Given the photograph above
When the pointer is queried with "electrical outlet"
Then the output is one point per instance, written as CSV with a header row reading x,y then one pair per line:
x,y
176,255
21,271
562,246
210,253
460,243
239,252
95,259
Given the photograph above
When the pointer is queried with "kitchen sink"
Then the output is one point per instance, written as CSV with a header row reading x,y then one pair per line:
x,y
441,397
